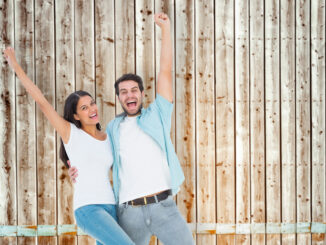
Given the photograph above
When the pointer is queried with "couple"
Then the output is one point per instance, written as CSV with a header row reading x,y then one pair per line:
x,y
146,171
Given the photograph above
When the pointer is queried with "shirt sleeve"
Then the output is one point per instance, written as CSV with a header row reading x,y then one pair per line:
x,y
165,107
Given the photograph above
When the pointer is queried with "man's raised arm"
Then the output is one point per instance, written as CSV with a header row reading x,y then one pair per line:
x,y
164,80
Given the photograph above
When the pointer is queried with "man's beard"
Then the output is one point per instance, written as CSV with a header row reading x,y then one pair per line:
x,y
133,114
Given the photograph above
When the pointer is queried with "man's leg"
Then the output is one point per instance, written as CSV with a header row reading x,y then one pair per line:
x,y
133,221
168,224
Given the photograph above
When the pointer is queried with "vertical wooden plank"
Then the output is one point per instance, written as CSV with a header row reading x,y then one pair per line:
x,y
105,59
185,106
125,40
145,55
65,84
318,116
125,50
287,60
25,111
303,133
272,117
242,117
205,116
84,58
8,212
45,136
257,115
84,46
225,145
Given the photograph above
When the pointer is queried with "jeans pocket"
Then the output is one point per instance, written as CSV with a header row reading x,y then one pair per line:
x,y
168,202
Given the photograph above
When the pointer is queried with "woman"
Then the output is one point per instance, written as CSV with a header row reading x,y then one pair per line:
x,y
89,149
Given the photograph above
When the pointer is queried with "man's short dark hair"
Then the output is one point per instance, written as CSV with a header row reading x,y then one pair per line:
x,y
127,77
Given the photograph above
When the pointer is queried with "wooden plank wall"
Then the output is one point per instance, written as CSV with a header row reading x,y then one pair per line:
x,y
249,119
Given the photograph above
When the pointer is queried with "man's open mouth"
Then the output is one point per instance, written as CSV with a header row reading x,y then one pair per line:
x,y
131,104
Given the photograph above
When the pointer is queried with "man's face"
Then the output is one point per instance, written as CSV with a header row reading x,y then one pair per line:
x,y
130,97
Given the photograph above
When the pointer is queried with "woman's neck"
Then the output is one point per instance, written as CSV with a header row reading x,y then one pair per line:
x,y
91,130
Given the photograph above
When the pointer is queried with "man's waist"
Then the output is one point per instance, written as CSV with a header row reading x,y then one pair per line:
x,y
148,199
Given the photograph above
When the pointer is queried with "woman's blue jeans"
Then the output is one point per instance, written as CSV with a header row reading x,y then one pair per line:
x,y
100,222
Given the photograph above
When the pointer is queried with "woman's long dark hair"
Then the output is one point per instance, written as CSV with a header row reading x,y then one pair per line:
x,y
68,114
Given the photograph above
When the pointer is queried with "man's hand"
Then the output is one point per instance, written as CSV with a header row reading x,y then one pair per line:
x,y
162,20
73,172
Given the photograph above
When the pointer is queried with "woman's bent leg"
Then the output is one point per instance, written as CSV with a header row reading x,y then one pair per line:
x,y
100,222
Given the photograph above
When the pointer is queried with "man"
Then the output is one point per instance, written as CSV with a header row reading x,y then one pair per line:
x,y
146,170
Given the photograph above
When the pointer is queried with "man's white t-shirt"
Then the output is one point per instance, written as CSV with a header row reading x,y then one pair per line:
x,y
144,168
93,159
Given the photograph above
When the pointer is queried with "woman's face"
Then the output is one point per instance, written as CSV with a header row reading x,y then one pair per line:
x,y
86,111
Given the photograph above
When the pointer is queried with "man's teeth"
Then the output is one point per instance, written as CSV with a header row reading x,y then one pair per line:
x,y
94,115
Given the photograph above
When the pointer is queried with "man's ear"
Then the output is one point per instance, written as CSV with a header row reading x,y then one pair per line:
x,y
118,97
143,94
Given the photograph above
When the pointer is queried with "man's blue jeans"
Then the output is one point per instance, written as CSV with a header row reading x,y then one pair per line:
x,y
100,222
161,219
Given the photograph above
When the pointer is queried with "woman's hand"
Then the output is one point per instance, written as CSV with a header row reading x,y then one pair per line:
x,y
9,54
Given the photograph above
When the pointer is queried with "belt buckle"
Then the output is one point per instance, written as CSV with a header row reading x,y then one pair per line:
x,y
145,200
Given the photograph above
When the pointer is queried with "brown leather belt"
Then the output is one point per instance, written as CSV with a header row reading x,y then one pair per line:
x,y
148,200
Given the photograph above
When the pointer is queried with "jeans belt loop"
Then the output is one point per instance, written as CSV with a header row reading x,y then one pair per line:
x,y
156,198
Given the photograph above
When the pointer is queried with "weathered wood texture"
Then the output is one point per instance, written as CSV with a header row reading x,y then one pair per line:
x,y
287,54
303,129
144,50
105,59
185,143
242,116
249,109
8,200
318,141
272,117
65,84
205,116
225,128
257,115
45,136
124,40
25,120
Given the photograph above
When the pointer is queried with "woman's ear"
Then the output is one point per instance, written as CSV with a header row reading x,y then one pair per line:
x,y
76,117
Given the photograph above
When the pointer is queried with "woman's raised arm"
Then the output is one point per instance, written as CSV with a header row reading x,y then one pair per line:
x,y
59,123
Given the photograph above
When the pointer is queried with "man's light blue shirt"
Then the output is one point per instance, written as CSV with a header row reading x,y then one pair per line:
x,y
156,122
